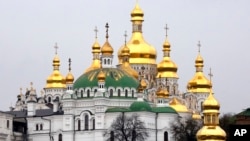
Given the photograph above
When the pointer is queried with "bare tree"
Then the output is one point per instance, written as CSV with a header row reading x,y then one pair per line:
x,y
127,128
225,121
185,130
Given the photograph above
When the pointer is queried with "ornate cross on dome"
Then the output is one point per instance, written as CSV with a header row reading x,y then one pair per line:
x,y
210,74
21,91
56,47
125,35
166,28
31,85
69,64
96,30
199,46
107,30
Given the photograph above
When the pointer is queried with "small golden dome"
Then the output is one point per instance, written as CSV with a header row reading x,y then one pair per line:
x,y
142,86
101,76
107,49
69,78
178,106
167,68
125,63
196,116
162,93
56,80
211,103
96,47
137,13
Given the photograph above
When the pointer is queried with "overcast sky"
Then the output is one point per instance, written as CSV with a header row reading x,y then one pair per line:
x,y
29,29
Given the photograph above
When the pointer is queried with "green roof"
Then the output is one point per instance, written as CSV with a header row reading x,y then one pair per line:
x,y
164,110
117,109
140,106
115,77
245,112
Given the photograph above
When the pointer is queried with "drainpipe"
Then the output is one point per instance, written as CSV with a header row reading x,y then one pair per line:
x,y
156,127
74,118
50,136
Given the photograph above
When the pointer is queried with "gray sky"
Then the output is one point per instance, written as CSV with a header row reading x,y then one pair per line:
x,y
29,29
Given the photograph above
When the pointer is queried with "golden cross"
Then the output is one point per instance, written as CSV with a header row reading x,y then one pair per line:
x,y
210,74
125,35
199,46
107,30
56,47
96,30
69,64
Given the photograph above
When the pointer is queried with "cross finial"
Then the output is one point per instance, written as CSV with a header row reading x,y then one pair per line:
x,y
21,90
69,64
125,36
166,28
56,47
107,30
31,85
210,74
96,30
199,46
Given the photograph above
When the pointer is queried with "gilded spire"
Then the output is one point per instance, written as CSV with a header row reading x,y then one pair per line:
x,y
69,77
96,49
56,80
211,129
199,83
167,68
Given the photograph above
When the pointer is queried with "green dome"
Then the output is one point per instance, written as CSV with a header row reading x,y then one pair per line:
x,y
114,77
140,106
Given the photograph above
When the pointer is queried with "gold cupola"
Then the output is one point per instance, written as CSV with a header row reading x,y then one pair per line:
x,y
211,131
96,49
162,93
199,83
107,49
167,68
56,79
101,76
175,104
125,61
140,51
69,77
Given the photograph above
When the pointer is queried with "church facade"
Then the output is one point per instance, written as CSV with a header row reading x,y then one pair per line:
x,y
72,109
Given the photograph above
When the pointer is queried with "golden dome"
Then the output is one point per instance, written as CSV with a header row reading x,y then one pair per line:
x,y
142,86
69,78
162,93
56,80
196,116
167,68
178,106
96,63
140,51
125,63
199,83
211,103
107,49
101,76
211,133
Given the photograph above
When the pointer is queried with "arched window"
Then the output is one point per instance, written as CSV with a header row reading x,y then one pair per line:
x,y
126,93
49,99
41,126
93,124
119,92
165,136
88,93
8,124
108,61
133,93
201,106
105,61
60,137
86,122
37,128
95,90
81,93
111,92
79,124
112,137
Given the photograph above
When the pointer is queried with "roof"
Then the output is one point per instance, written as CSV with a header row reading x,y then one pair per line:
x,y
39,113
244,113
163,110
114,77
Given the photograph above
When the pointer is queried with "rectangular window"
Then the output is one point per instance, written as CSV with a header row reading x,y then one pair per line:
x,y
8,124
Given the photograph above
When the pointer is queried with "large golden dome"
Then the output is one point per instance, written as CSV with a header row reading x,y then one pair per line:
x,y
56,80
167,68
140,51
199,83
208,133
